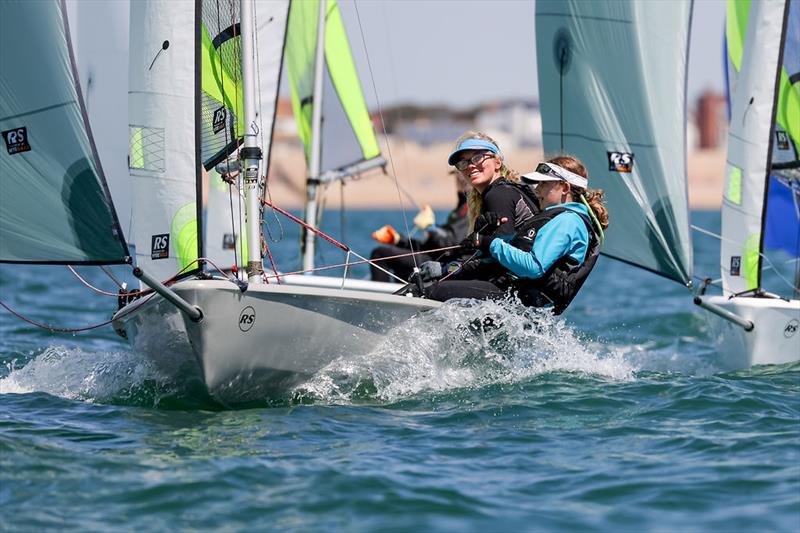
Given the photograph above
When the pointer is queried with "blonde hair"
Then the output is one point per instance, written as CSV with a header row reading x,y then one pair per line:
x,y
474,198
593,197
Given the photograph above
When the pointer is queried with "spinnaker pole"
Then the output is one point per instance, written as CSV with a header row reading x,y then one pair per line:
x,y
251,153
315,164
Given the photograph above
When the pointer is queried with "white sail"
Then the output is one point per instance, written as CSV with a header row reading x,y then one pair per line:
x,y
162,161
748,164
54,202
612,88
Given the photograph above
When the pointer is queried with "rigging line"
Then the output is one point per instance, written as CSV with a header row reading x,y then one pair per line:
x,y
364,260
399,109
53,328
383,127
111,275
97,290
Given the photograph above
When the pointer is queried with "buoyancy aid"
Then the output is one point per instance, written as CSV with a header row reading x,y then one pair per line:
x,y
559,285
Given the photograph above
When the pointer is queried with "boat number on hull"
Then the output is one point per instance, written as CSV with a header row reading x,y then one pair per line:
x,y
247,318
791,328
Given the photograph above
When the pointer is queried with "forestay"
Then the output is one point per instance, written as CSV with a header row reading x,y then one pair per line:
x,y
761,204
54,202
612,90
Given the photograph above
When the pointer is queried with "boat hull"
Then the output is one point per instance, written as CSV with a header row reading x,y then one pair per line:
x,y
261,342
774,339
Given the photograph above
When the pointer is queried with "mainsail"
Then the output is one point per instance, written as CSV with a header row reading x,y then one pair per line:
x,y
761,204
54,202
612,88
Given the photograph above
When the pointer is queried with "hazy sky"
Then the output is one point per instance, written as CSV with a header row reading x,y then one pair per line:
x,y
463,52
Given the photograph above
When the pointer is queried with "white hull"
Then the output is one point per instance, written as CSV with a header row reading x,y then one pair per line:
x,y
255,344
774,339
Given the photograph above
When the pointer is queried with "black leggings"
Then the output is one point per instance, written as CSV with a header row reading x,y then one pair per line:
x,y
465,288
483,290
400,266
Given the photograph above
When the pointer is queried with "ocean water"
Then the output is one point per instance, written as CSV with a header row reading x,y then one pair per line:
x,y
618,416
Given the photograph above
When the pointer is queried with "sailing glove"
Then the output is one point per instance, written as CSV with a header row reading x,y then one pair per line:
x,y
489,222
476,241
430,270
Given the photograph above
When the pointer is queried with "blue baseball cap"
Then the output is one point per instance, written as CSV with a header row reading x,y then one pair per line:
x,y
472,144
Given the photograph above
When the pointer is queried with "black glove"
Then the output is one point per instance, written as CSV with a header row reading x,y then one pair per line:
x,y
488,222
476,241
430,270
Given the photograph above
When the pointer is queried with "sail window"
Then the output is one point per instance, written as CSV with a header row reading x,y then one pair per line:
x,y
146,149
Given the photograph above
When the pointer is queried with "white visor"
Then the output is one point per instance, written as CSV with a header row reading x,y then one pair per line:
x,y
553,172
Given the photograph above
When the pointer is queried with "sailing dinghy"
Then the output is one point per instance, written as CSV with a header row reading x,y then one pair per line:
x,y
760,241
191,108
612,84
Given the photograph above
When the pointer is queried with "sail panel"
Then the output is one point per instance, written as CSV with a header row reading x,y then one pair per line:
x,y
749,137
163,166
54,202
222,99
612,91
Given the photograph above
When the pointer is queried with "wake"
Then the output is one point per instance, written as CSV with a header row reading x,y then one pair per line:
x,y
464,344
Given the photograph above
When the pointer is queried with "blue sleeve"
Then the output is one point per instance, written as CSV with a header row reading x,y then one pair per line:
x,y
566,234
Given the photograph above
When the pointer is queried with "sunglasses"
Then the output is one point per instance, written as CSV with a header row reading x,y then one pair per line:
x,y
476,159
547,170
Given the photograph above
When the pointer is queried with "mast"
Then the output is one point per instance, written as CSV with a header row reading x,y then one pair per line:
x,y
315,163
251,153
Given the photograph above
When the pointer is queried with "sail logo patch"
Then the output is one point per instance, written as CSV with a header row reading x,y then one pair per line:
x,y
620,161
159,246
736,265
247,318
782,140
17,140
229,241
791,328
219,120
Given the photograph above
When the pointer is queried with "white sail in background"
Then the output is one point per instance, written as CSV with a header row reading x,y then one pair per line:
x,y
750,131
99,31
54,201
612,89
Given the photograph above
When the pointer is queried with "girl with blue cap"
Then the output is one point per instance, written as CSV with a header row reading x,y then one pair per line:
x,y
494,188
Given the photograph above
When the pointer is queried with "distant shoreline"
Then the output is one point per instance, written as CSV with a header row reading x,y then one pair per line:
x,y
423,175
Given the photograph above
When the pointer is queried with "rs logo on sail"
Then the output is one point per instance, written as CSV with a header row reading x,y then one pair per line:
x,y
159,246
16,140
620,161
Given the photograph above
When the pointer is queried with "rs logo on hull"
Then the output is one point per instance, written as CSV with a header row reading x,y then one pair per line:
x,y
247,318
